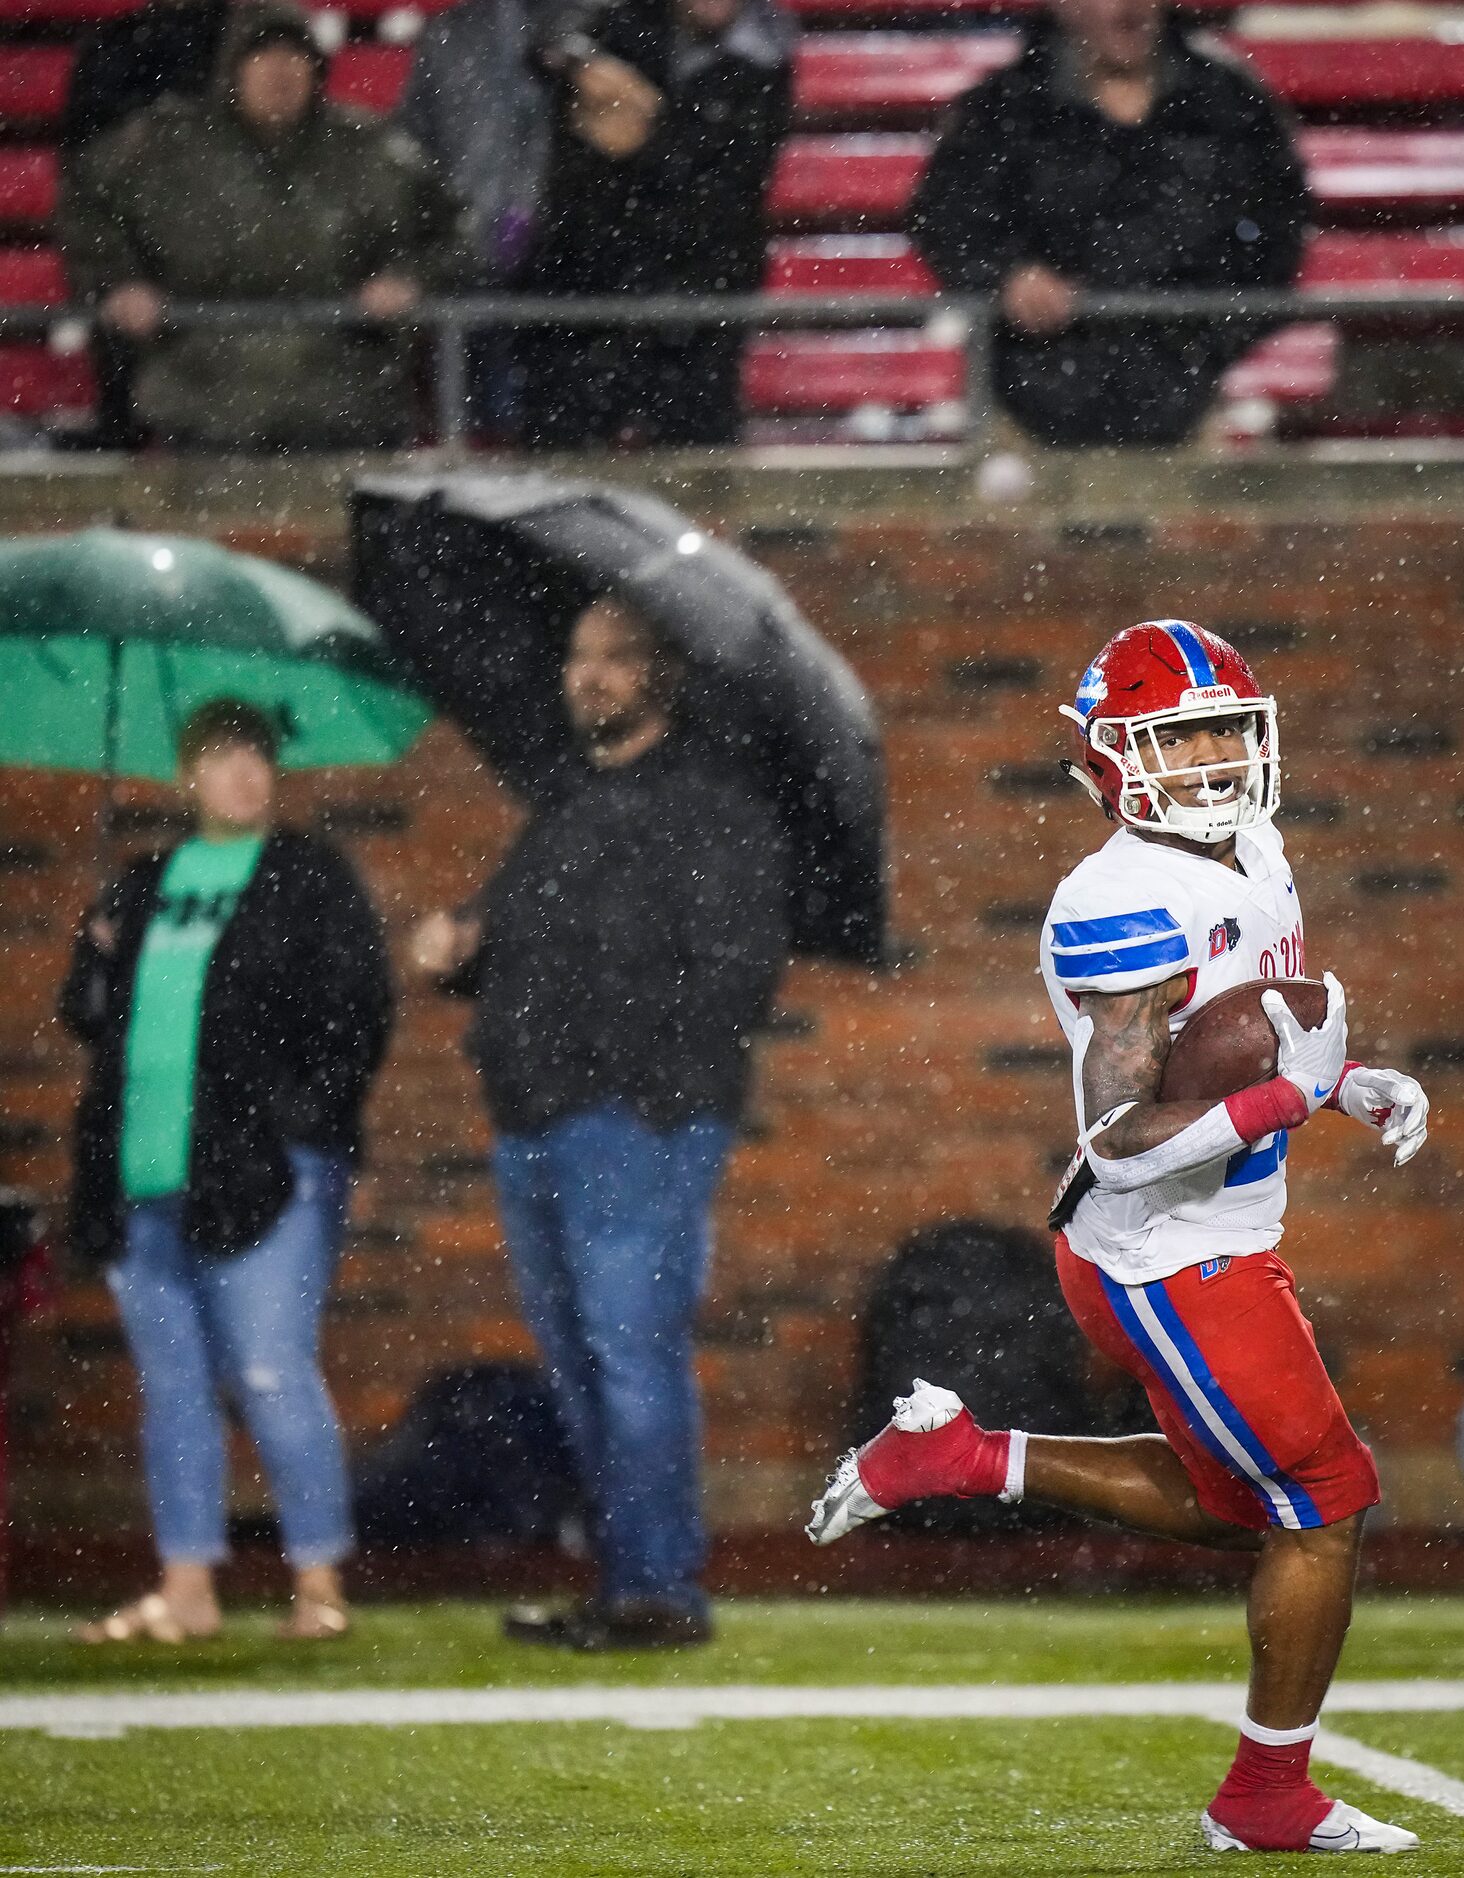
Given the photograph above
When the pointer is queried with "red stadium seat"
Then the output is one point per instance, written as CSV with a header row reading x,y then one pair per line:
x,y
888,78
846,264
62,12
371,77
1335,258
33,83
820,13
841,182
792,373
877,78
1419,173
1294,366
28,185
34,380
1359,74
32,277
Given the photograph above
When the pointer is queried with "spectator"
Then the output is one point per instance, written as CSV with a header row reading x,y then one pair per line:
x,y
263,191
478,104
621,958
667,122
1112,155
235,998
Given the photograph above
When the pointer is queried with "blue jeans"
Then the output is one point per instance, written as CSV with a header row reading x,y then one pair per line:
x,y
608,1223
244,1327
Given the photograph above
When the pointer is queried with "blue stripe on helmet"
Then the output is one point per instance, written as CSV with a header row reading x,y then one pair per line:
x,y
1252,1164
1173,949
1192,651
1092,932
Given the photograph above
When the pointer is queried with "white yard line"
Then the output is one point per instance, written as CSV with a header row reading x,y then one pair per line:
x,y
1394,1772
677,1706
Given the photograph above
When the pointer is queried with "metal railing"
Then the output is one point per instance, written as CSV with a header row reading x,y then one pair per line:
x,y
965,320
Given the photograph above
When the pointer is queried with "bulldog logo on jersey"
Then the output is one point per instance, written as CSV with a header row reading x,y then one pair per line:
x,y
1224,938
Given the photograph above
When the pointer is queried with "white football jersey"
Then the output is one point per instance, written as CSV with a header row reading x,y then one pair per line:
x,y
1137,913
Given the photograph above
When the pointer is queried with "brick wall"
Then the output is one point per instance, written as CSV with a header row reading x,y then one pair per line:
x,y
883,1104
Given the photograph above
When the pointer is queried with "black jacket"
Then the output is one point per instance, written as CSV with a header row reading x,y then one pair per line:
x,y
632,940
685,213
296,1010
1207,192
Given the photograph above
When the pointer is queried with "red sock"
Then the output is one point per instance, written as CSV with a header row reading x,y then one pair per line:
x,y
1268,1799
960,1459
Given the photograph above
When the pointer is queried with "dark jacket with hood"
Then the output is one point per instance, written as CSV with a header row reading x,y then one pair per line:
x,y
684,214
188,197
295,1015
632,941
1206,192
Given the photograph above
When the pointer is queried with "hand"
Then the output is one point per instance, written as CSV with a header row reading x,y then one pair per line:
x,y
1387,1100
1311,1059
614,106
135,309
103,933
388,296
1036,300
442,943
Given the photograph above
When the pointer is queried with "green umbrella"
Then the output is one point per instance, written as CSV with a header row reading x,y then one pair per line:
x,y
109,639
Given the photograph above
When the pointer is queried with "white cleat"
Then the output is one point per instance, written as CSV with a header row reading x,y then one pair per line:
x,y
844,1504
1345,1829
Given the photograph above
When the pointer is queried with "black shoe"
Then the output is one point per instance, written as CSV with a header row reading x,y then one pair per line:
x,y
555,1624
619,1624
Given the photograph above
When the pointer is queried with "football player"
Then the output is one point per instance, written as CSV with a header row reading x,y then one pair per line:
x,y
1169,1217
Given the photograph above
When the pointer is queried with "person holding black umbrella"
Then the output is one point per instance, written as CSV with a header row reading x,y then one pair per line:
x,y
235,999
621,959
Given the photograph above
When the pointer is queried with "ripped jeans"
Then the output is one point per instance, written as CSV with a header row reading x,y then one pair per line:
x,y
245,1329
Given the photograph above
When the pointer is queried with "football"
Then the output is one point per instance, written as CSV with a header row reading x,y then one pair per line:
x,y
1229,1044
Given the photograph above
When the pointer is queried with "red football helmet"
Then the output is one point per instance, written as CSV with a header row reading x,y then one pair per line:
x,y
1162,673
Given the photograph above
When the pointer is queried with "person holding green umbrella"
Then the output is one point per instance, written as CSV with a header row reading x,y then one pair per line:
x,y
235,998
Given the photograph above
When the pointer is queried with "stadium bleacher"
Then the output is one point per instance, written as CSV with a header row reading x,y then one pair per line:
x,y
1384,159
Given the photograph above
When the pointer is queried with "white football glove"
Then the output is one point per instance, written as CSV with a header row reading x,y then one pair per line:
x,y
1387,1100
1311,1059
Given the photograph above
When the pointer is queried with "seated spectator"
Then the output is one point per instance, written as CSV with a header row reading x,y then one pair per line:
x,y
235,999
668,115
1113,155
261,191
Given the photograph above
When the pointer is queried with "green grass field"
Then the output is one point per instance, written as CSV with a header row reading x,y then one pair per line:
x,y
744,1799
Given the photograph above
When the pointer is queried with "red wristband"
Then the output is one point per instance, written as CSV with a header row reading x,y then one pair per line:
x,y
1267,1108
1347,1069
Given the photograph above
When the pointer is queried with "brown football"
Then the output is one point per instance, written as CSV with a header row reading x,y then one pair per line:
x,y
1229,1044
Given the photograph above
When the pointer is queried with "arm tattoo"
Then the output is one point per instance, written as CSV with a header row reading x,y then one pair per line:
x,y
1124,1063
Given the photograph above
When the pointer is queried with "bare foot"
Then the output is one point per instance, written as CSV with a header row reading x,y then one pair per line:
x,y
153,1619
312,1620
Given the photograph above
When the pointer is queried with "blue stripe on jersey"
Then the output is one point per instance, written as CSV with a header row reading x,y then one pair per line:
x,y
1192,651
1247,1459
1170,950
1253,1164
1302,1503
1094,932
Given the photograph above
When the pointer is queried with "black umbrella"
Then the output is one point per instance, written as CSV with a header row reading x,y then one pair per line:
x,y
476,581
